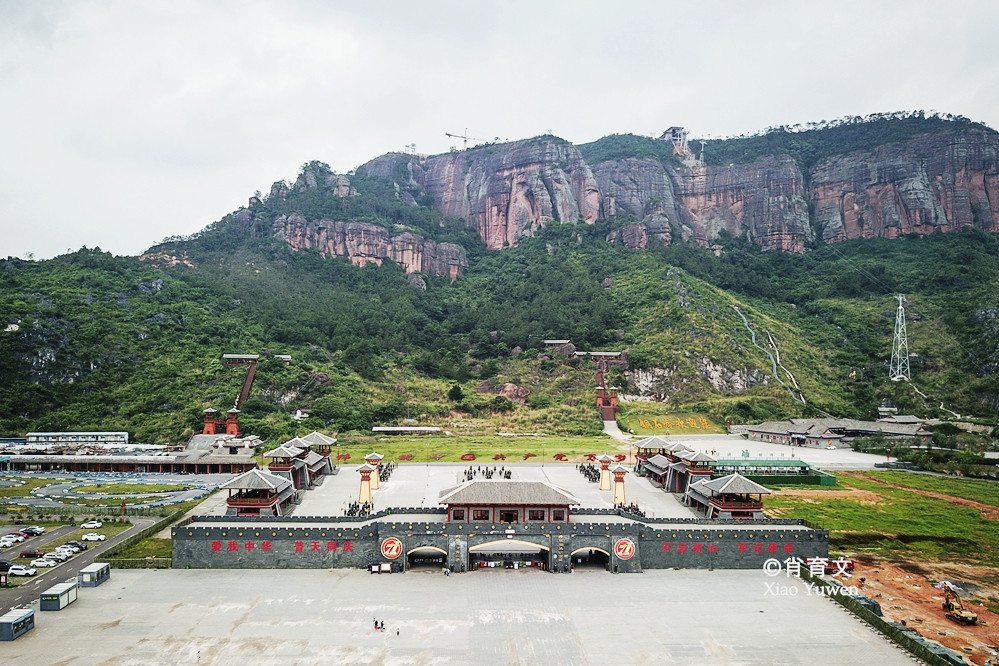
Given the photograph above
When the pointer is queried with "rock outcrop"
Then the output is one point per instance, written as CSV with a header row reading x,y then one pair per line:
x,y
505,192
364,243
763,201
938,182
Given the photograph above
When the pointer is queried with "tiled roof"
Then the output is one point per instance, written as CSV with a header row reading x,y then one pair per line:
x,y
732,484
501,491
257,479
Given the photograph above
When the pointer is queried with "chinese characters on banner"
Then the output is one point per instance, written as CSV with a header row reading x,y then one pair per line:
x,y
300,546
695,547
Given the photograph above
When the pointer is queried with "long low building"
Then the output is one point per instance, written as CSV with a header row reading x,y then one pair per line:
x,y
832,432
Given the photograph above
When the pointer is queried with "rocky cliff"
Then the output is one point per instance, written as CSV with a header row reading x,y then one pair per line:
x,y
938,182
763,201
366,243
505,192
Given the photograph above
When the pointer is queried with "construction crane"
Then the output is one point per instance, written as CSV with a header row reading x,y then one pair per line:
x,y
464,138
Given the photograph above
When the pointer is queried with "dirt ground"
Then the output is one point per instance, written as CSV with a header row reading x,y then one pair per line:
x,y
911,598
906,593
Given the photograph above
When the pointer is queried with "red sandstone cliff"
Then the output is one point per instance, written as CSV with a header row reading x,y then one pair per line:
x,y
932,182
369,243
505,192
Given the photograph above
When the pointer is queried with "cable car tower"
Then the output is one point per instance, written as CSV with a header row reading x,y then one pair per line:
x,y
899,368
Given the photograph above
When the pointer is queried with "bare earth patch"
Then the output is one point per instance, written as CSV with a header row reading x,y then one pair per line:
x,y
911,598
815,496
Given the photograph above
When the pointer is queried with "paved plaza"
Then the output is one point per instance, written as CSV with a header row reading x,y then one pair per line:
x,y
491,616
415,485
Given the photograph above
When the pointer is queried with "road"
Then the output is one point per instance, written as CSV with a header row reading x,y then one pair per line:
x,y
28,592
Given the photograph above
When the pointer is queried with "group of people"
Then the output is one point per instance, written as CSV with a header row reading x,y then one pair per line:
x,y
385,471
358,510
486,472
591,472
631,508
380,626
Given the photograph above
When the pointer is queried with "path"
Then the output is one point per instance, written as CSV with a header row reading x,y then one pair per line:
x,y
989,512
610,427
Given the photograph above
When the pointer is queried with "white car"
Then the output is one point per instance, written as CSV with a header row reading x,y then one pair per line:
x,y
66,548
20,570
6,543
93,536
43,562
14,537
831,448
92,525
58,556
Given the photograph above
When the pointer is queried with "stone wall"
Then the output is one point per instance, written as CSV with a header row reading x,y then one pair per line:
x,y
631,547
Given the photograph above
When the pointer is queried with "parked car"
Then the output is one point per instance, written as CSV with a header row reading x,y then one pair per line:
x,y
58,556
92,525
5,564
69,549
77,544
43,562
93,536
20,570
16,536
34,530
6,543
32,552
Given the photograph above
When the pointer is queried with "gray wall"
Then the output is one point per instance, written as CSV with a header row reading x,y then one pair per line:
x,y
701,545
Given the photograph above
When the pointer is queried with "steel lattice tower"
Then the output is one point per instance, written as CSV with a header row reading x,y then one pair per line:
x,y
899,368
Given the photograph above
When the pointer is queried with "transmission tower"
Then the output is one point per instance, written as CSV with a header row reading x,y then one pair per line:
x,y
899,368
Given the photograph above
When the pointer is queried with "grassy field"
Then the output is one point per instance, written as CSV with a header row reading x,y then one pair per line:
x,y
898,524
151,547
25,489
485,448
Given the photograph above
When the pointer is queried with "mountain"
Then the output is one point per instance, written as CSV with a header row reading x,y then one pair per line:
x,y
394,284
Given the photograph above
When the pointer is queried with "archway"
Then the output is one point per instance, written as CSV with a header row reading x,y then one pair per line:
x,y
508,554
426,558
589,558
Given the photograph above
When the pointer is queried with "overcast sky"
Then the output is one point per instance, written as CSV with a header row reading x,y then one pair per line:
x,y
122,123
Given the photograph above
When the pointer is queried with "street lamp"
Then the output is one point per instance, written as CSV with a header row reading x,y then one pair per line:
x,y
542,454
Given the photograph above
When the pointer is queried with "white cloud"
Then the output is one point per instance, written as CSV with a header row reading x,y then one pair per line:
x,y
125,122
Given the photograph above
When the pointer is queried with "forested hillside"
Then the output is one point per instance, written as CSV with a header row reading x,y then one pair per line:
x,y
392,310
106,342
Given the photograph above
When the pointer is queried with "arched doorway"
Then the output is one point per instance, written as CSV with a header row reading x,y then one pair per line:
x,y
508,554
591,559
426,558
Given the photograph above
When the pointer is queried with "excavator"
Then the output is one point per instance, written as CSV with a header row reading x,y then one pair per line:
x,y
956,610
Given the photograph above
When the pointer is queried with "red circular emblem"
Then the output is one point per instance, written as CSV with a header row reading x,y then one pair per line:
x,y
624,548
391,548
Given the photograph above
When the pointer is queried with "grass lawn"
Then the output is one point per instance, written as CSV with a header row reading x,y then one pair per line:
x,y
485,448
151,547
897,524
25,489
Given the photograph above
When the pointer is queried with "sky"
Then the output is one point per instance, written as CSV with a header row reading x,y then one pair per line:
x,y
122,123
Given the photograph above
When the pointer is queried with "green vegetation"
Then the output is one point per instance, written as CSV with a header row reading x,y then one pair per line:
x,y
810,143
897,524
151,547
622,146
115,343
